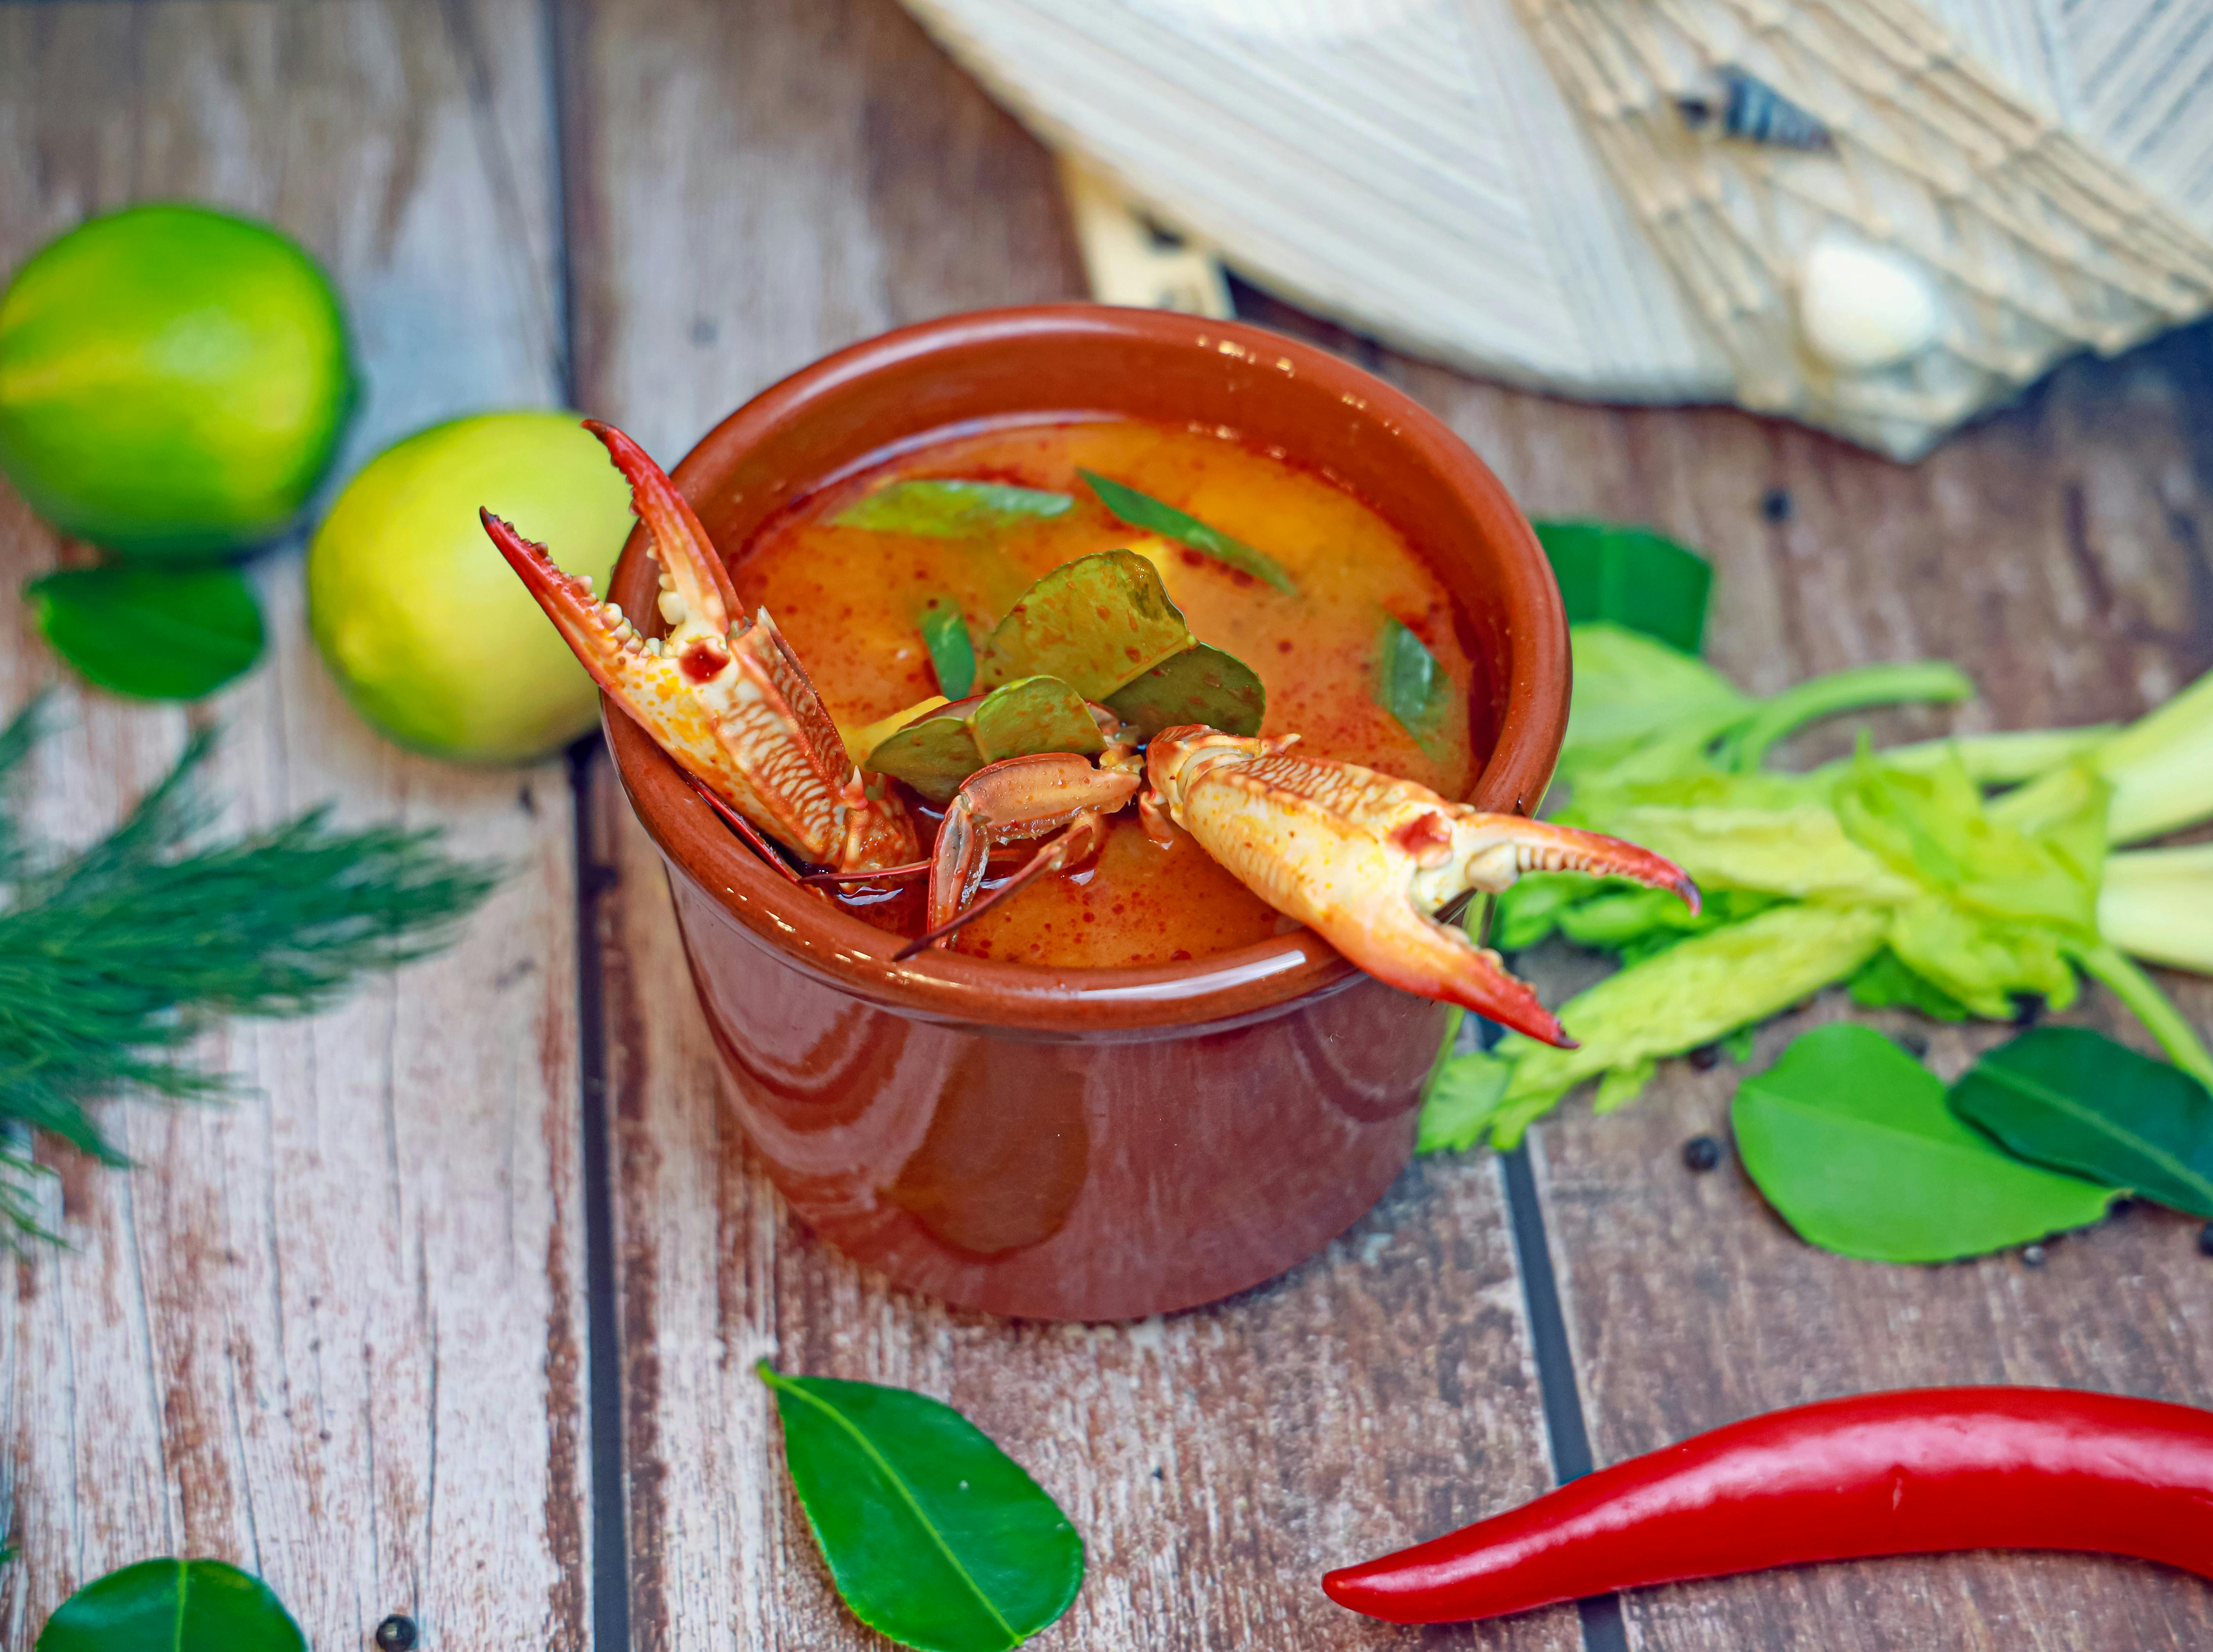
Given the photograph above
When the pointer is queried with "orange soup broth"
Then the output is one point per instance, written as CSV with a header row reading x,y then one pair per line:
x,y
850,602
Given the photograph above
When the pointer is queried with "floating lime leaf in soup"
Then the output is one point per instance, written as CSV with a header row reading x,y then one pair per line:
x,y
1104,625
1018,719
1630,576
1411,684
1039,714
1155,516
1096,623
934,756
948,508
1201,685
952,653
934,1536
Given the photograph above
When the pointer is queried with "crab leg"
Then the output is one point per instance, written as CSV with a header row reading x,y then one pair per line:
x,y
1364,859
872,874
1008,801
729,701
762,845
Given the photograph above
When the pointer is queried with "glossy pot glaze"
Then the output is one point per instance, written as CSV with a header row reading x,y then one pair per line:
x,y
1082,1143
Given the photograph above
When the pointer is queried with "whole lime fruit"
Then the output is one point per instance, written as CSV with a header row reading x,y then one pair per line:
x,y
426,626
172,382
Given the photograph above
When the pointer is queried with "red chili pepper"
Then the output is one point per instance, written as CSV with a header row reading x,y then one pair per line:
x,y
1914,1472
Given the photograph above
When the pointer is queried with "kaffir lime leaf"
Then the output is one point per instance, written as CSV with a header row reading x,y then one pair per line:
x,y
172,382
428,630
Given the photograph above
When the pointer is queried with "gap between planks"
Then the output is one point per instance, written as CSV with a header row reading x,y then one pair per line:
x,y
595,871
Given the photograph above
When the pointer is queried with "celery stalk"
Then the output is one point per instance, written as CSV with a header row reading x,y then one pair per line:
x,y
1855,690
1692,994
1801,852
2006,758
2153,1008
2162,767
2157,904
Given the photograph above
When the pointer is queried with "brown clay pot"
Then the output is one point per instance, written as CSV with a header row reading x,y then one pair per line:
x,y
1082,1143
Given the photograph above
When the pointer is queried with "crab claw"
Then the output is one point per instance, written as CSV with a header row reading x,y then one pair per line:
x,y
1009,801
692,572
1364,858
731,704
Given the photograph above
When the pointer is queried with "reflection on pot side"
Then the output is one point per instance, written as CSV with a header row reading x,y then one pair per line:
x,y
1061,1178
1003,1160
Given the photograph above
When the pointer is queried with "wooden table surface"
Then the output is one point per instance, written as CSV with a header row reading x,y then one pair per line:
x,y
455,1313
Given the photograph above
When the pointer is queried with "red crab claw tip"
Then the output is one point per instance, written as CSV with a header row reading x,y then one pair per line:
x,y
535,564
1689,892
1421,956
1514,1004
1571,849
1621,860
679,541
568,602
1415,953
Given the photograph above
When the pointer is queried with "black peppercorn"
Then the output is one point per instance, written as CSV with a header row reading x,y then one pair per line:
x,y
1915,1044
1706,1058
2027,1007
2032,1256
2205,1239
1775,505
396,1634
1702,1153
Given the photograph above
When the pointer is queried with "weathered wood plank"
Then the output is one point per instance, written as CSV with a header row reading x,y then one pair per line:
x,y
331,1333
757,183
2058,553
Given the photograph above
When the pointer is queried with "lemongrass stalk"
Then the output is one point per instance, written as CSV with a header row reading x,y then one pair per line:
x,y
2153,1008
1838,691
2157,904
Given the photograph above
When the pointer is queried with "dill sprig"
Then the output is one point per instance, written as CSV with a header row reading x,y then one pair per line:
x,y
113,958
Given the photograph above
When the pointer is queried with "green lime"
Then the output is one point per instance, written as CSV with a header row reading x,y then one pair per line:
x,y
172,382
422,621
